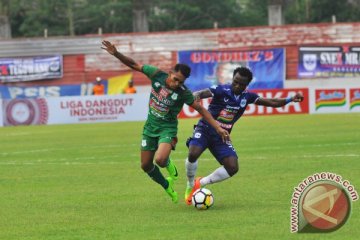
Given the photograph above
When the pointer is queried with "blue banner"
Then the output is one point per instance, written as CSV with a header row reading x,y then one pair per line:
x,y
30,68
330,61
48,91
216,67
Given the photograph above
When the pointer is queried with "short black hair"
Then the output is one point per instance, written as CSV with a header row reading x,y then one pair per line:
x,y
183,68
245,72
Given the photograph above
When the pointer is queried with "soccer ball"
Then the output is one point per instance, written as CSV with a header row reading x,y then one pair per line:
x,y
202,199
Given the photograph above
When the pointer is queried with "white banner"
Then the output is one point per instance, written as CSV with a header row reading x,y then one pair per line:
x,y
134,107
334,100
87,109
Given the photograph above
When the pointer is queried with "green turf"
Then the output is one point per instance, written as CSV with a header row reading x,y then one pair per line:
x,y
85,182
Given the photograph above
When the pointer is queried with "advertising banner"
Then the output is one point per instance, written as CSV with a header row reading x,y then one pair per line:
x,y
253,109
334,100
64,110
31,68
47,91
337,61
354,99
216,67
328,100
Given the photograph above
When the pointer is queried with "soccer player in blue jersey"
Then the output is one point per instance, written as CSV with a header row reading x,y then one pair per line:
x,y
228,104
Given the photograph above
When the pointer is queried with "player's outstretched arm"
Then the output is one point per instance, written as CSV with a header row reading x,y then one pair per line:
x,y
206,93
110,48
208,118
279,102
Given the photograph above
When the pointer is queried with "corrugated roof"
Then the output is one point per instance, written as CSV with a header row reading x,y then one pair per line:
x,y
247,37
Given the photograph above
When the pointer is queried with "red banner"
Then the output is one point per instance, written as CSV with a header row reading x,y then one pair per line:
x,y
253,109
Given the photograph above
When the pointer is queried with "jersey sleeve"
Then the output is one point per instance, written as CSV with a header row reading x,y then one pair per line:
x,y
188,97
253,97
149,70
216,90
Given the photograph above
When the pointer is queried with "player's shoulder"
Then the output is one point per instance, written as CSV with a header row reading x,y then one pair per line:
x,y
251,96
152,70
221,88
183,89
249,92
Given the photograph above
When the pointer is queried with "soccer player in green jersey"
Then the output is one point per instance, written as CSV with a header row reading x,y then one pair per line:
x,y
168,95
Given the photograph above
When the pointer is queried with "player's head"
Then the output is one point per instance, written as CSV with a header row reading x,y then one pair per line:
x,y
242,76
178,75
131,83
98,80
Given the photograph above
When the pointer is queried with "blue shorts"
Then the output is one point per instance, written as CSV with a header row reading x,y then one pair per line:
x,y
206,137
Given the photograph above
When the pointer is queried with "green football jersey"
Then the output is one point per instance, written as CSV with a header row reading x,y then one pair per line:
x,y
164,103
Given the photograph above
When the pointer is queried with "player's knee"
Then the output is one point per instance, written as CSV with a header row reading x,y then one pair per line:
x,y
193,156
161,161
146,167
231,166
232,170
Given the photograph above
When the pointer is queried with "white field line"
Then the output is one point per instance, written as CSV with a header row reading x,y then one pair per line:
x,y
98,148
306,156
68,161
79,160
121,146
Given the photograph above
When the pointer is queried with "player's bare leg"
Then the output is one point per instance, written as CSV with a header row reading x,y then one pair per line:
x,y
162,159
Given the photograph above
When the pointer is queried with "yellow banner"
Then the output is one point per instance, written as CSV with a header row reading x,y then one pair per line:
x,y
117,84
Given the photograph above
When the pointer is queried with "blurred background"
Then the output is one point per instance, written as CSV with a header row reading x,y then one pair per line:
x,y
21,18
52,48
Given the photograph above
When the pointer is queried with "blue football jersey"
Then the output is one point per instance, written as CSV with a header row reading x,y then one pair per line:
x,y
226,107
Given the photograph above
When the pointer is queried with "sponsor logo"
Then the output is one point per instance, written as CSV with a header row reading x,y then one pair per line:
x,y
224,125
174,96
309,61
330,98
243,102
354,98
25,112
227,115
161,97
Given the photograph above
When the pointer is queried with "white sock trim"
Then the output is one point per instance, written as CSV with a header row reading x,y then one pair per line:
x,y
220,174
191,169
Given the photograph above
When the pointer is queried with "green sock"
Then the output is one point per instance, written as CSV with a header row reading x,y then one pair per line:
x,y
157,176
171,168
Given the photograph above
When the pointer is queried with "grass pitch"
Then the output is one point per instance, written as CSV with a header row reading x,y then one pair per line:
x,y
85,182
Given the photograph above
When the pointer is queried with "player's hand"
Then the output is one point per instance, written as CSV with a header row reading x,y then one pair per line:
x,y
298,97
223,133
109,47
197,98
